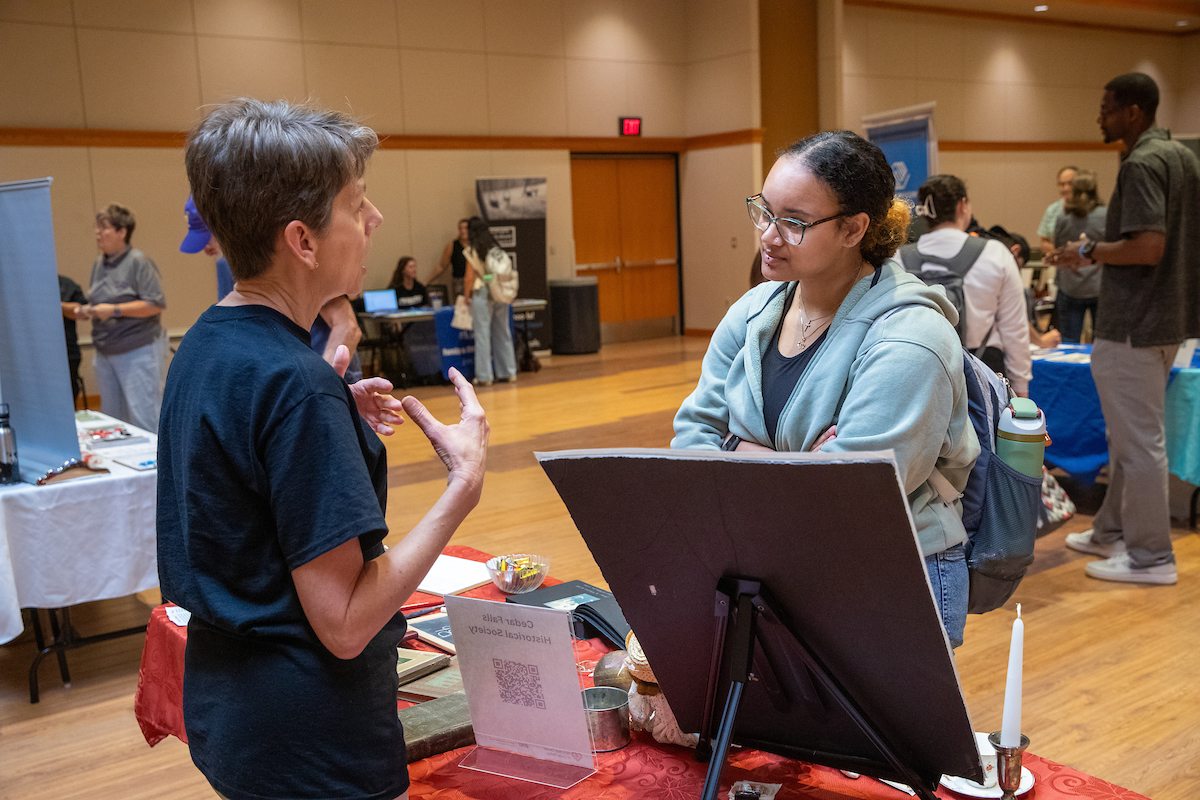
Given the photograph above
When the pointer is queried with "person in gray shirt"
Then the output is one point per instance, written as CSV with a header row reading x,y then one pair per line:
x,y
1149,303
126,305
1079,290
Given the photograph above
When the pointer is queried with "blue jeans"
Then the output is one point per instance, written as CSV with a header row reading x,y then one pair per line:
x,y
1070,315
493,337
951,585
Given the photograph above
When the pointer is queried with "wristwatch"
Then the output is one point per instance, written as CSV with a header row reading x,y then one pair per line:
x,y
116,309
1085,250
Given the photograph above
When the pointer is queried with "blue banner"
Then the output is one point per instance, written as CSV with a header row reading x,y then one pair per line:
x,y
906,144
35,380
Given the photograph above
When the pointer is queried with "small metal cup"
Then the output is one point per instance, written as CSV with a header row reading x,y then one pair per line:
x,y
1008,765
607,712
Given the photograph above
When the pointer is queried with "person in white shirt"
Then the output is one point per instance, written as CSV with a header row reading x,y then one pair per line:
x,y
995,318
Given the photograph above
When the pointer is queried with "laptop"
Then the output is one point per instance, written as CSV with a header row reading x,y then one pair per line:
x,y
380,302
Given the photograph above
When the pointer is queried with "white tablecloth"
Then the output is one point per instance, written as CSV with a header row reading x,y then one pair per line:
x,y
81,540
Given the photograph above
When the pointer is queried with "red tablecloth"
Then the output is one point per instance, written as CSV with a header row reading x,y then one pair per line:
x,y
650,771
644,769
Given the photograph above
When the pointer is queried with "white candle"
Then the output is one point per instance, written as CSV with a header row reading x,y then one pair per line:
x,y
1010,727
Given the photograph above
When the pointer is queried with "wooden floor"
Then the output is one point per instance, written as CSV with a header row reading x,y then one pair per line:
x,y
1112,671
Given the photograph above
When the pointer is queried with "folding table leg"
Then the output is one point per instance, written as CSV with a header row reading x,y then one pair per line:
x,y
38,638
62,638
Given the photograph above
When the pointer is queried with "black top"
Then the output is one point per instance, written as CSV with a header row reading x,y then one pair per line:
x,y
781,374
71,292
411,298
264,465
458,261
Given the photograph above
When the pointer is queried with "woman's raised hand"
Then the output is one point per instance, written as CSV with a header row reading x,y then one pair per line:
x,y
462,446
371,396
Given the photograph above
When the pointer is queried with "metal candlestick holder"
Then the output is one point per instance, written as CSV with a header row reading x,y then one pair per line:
x,y
1008,765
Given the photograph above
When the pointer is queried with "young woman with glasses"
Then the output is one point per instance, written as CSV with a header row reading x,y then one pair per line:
x,y
841,349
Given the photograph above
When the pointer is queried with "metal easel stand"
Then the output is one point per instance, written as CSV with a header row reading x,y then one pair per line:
x,y
66,637
739,608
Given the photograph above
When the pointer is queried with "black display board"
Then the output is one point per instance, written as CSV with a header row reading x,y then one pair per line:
x,y
515,211
831,539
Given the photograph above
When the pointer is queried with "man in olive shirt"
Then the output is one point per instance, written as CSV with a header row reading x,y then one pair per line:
x,y
126,305
1149,303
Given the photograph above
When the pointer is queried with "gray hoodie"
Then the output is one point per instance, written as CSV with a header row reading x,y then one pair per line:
x,y
890,374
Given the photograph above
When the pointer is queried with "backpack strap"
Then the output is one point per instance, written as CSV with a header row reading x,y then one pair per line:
x,y
960,264
910,257
941,484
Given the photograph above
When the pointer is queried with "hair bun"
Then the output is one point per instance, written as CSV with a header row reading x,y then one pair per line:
x,y
882,240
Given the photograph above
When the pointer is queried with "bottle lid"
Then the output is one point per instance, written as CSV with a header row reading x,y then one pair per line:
x,y
1021,417
3,409
1024,408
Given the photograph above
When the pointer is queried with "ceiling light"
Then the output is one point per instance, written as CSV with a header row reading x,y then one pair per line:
x,y
1182,23
1041,8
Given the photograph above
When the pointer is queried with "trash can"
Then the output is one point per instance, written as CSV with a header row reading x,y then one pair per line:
x,y
575,315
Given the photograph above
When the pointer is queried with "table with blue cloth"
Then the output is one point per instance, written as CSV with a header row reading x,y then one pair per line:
x,y
1062,387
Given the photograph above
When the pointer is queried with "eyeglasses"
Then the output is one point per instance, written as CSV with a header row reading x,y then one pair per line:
x,y
790,230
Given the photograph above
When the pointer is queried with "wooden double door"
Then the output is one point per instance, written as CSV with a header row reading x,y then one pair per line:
x,y
626,235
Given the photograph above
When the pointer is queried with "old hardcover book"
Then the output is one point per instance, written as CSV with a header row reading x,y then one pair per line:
x,y
438,684
437,726
413,664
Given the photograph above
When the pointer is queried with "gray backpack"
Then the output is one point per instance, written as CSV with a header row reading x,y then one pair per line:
x,y
951,279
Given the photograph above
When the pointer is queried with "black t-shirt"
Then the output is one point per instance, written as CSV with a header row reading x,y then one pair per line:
x,y
411,298
71,292
781,374
458,261
263,465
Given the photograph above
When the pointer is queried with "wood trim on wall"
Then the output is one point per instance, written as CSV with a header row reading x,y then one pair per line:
x,y
966,146
1000,16
728,139
96,137
89,137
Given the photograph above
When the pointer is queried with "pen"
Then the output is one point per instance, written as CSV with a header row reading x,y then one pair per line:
x,y
422,612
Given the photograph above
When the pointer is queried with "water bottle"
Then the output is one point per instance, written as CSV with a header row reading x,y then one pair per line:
x,y
8,449
1021,436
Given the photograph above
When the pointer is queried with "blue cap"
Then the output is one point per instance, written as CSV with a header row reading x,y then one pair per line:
x,y
198,234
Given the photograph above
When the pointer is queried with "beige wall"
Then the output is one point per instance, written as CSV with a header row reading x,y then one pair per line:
x,y
486,67
993,80
1187,117
505,67
722,95
1009,81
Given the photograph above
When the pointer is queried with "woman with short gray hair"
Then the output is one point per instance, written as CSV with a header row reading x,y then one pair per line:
x,y
127,302
272,483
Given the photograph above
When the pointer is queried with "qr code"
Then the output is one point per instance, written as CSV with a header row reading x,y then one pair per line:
x,y
519,683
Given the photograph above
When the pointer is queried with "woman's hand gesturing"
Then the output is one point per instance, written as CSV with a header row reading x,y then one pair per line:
x,y
462,446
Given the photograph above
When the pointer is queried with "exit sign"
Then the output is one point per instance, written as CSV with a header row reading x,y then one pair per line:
x,y
631,126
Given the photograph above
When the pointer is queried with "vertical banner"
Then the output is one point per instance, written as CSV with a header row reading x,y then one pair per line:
x,y
906,136
515,210
35,380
